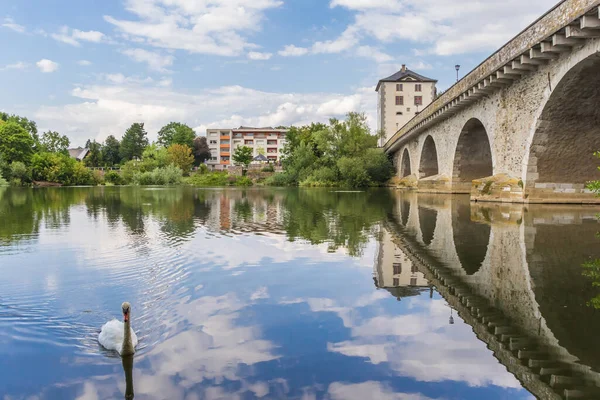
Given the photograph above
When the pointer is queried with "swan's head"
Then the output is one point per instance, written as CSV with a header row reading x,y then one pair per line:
x,y
126,309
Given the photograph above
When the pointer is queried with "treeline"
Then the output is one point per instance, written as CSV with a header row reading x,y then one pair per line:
x,y
25,156
342,153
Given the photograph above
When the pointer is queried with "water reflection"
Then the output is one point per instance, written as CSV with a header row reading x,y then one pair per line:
x,y
269,293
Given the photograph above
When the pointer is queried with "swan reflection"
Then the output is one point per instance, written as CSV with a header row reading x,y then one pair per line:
x,y
128,369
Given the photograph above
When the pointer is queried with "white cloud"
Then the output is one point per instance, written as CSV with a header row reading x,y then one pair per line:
x,y
375,54
369,390
17,65
202,26
260,294
103,109
47,66
11,24
255,55
293,51
437,26
155,60
84,63
75,36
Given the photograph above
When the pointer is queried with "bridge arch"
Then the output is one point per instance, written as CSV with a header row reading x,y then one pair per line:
x,y
405,169
428,165
473,156
471,239
566,133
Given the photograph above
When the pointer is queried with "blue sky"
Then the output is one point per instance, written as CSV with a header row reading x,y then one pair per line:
x,y
91,68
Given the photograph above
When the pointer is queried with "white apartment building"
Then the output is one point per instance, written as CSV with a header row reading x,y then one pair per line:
x,y
400,97
268,142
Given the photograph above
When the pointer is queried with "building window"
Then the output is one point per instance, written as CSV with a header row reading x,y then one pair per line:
x,y
272,142
413,269
397,268
399,100
399,113
418,87
213,142
418,100
413,281
248,141
399,87
396,282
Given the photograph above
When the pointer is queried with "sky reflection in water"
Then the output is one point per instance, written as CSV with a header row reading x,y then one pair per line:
x,y
235,294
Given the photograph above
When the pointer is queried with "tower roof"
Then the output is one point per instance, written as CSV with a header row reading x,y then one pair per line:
x,y
405,75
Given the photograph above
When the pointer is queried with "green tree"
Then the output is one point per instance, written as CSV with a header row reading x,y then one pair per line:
x,y
176,133
201,150
243,156
181,156
94,156
134,141
110,151
16,143
54,142
28,125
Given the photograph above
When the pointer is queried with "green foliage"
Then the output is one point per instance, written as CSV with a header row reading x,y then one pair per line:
x,y
341,153
591,270
133,143
202,169
54,142
209,179
242,156
3,182
279,179
114,178
19,173
28,125
176,133
154,157
353,172
94,156
81,175
243,181
131,168
16,143
169,175
60,168
110,151
378,166
4,167
268,168
181,156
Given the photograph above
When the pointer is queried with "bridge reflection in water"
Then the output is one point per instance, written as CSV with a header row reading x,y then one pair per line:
x,y
512,272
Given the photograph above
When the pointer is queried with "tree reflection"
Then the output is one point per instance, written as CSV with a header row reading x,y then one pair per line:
x,y
340,219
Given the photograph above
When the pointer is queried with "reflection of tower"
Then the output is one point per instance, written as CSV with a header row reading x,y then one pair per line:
x,y
395,272
225,212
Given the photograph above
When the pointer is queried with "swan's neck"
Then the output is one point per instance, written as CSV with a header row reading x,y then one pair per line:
x,y
128,368
127,343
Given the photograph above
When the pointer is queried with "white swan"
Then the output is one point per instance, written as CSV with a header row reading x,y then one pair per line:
x,y
117,335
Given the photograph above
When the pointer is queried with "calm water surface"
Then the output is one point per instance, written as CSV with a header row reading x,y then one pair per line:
x,y
303,294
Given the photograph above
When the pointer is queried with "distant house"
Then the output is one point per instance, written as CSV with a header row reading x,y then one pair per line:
x,y
79,153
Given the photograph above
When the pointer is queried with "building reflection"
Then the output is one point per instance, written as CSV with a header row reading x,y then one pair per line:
x,y
395,272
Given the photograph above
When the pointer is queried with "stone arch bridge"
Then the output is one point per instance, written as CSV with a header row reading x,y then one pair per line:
x,y
523,125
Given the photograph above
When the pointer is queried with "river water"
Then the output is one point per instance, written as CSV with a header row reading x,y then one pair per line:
x,y
291,293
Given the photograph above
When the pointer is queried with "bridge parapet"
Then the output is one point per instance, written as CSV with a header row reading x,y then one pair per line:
x,y
566,26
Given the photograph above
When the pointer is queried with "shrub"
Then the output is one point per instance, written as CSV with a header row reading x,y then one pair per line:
x,y
268,168
82,175
279,179
114,177
181,156
353,172
378,166
19,173
3,181
202,169
98,177
243,181
169,175
54,167
129,169
209,179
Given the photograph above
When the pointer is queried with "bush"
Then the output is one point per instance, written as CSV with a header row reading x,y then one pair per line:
x,y
82,175
98,177
243,181
53,167
279,179
209,179
353,172
129,169
268,168
3,182
169,175
19,173
114,177
202,169
378,166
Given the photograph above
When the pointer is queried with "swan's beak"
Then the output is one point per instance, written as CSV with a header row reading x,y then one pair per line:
x,y
125,316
